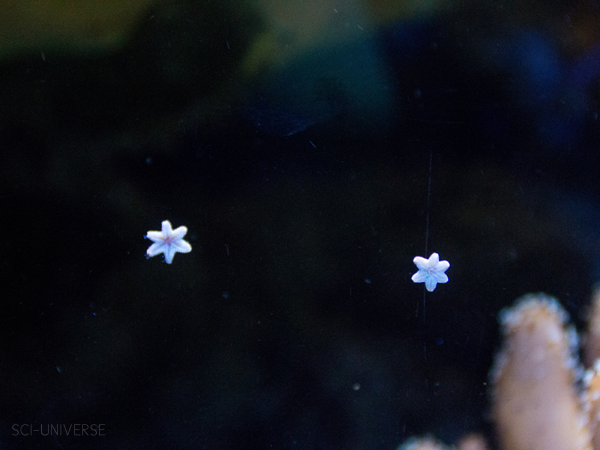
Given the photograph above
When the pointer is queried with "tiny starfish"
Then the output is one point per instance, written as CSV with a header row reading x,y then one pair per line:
x,y
431,271
168,241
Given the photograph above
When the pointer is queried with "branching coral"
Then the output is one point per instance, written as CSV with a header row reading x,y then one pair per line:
x,y
542,399
535,403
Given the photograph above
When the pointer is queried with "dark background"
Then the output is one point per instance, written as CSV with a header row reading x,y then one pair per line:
x,y
305,146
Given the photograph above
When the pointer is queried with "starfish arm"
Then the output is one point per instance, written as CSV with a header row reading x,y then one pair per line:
x,y
155,249
430,283
182,246
178,233
155,236
434,259
441,277
421,263
419,277
169,254
443,266
167,230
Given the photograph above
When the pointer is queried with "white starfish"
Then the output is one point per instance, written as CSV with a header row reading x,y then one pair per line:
x,y
168,241
431,271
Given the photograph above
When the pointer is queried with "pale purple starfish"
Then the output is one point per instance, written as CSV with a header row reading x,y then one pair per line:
x,y
168,241
431,271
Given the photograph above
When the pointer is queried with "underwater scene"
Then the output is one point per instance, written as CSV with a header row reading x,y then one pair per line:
x,y
317,224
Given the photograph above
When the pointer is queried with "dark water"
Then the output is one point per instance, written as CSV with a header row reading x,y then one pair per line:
x,y
306,186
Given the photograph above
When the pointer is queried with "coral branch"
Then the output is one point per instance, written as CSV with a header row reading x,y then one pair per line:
x,y
592,342
535,403
592,402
